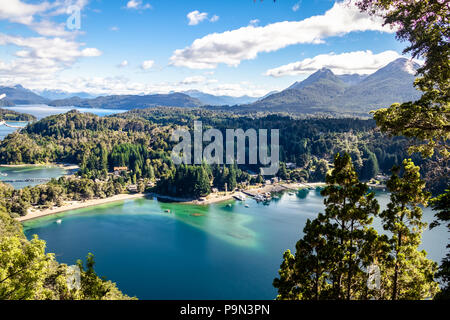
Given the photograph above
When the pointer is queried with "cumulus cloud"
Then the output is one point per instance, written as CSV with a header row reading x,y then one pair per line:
x,y
231,47
254,22
123,64
195,17
361,62
41,57
147,64
214,18
20,12
137,5
193,80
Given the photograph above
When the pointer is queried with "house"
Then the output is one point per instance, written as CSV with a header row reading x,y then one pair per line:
x,y
132,188
118,170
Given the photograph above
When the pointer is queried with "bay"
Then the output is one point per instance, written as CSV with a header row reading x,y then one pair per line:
x,y
220,251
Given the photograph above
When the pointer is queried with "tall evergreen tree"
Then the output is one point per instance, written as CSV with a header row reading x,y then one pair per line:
x,y
331,258
411,273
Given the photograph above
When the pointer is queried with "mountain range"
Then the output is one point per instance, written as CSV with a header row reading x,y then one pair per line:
x,y
325,92
321,92
19,95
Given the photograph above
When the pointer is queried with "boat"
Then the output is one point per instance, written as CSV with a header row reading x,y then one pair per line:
x,y
167,210
3,174
58,221
291,193
247,206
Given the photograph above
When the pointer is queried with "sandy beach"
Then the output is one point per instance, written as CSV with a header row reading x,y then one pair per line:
x,y
72,205
210,199
66,166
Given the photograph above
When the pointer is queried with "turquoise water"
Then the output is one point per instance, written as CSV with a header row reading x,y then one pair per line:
x,y
193,252
29,172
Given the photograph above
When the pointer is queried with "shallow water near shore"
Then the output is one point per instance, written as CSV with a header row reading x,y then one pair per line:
x,y
156,250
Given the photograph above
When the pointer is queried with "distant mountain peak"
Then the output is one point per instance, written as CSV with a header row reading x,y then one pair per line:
x,y
401,64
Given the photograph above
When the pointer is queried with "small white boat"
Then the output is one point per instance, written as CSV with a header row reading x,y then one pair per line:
x,y
247,206
58,221
291,193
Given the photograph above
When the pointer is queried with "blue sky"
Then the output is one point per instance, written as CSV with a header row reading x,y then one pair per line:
x,y
232,47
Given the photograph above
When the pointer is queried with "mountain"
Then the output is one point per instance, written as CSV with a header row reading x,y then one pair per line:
x,y
325,92
308,96
352,79
390,84
213,100
20,95
60,94
127,102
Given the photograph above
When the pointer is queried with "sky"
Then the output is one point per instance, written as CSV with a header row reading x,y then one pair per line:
x,y
221,47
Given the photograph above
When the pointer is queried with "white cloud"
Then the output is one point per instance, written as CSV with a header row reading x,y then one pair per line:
x,y
296,6
195,17
2,96
147,64
254,22
231,47
20,12
123,64
41,57
137,5
361,62
214,18
114,28
193,80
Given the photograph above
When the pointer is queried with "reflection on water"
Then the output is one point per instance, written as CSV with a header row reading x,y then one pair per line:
x,y
158,250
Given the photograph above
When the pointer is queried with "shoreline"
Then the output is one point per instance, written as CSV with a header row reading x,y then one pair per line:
x,y
67,166
210,199
73,205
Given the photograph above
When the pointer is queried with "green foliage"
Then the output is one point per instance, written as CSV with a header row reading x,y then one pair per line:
x,y
441,204
10,115
27,272
332,258
424,24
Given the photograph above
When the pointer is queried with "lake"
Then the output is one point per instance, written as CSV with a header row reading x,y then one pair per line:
x,y
42,110
193,252
30,175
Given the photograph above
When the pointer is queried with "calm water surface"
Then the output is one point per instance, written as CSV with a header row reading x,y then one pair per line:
x,y
193,252
18,176
41,111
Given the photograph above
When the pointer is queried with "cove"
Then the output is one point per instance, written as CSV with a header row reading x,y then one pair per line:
x,y
220,251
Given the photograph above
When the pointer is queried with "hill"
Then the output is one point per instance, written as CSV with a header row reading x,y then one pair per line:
x,y
20,95
128,102
325,92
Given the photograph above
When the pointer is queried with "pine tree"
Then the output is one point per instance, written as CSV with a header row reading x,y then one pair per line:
x,y
337,246
411,273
